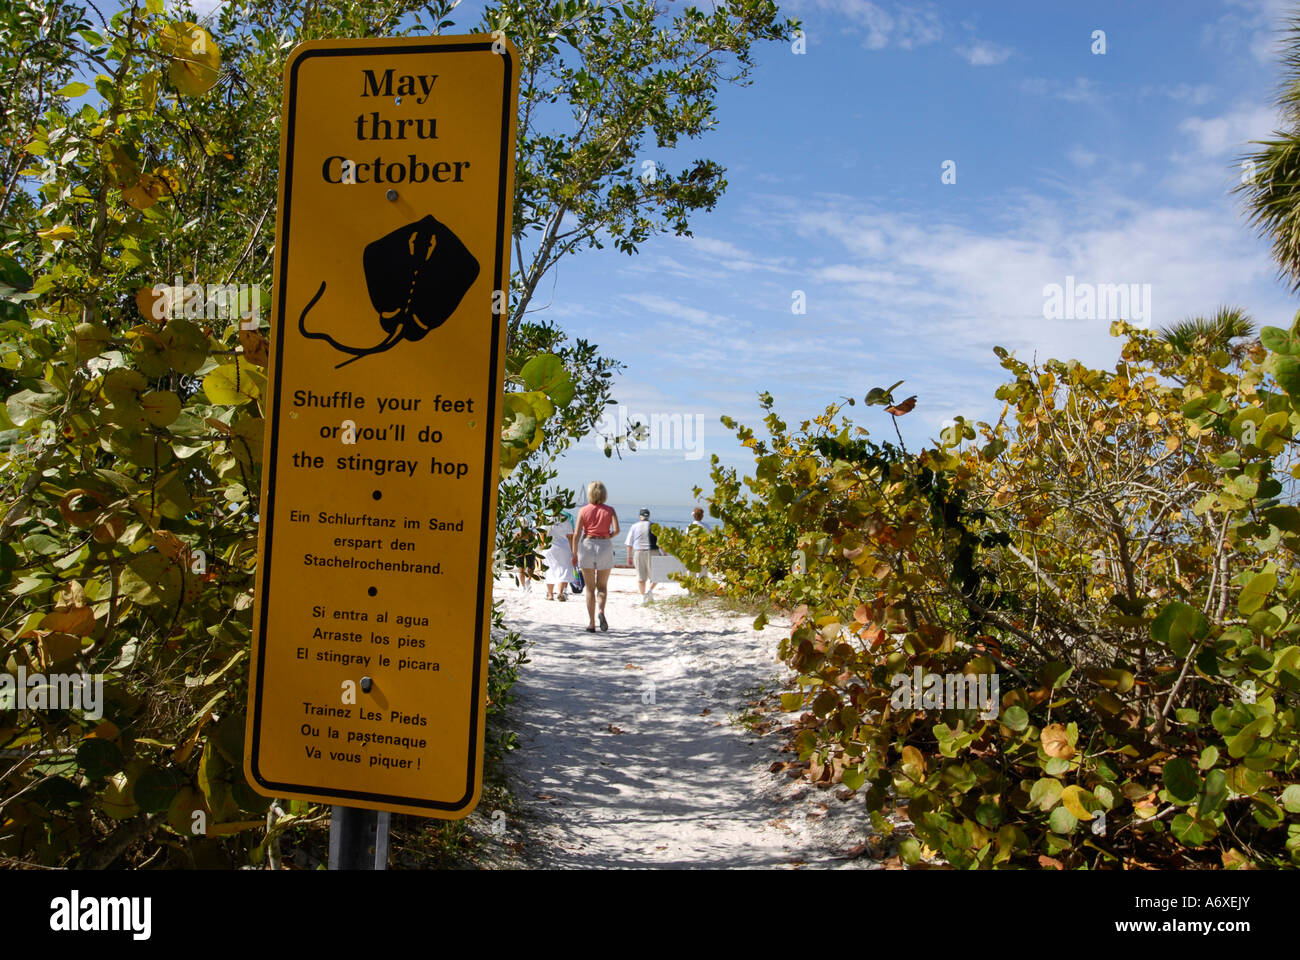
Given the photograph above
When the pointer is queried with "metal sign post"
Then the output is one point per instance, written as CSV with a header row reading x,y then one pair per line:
x,y
359,839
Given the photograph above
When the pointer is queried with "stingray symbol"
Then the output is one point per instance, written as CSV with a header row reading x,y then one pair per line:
x,y
417,275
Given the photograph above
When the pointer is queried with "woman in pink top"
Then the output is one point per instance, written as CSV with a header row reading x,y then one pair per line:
x,y
593,550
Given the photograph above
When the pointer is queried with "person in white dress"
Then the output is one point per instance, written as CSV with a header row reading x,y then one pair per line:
x,y
559,558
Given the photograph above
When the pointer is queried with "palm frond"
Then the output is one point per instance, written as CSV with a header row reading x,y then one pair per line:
x,y
1271,175
1213,333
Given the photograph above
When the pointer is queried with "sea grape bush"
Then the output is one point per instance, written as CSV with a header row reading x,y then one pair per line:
x,y
131,436
131,439
1119,548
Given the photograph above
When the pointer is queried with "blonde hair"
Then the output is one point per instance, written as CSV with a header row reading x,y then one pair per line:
x,y
596,492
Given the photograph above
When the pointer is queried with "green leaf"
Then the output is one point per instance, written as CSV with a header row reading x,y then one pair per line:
x,y
853,778
1177,625
909,851
545,372
98,757
989,815
1045,793
1255,593
152,578
1187,830
1181,780
1286,370
9,561
1015,718
156,789
1291,798
56,793
13,278
1063,821
1215,795
882,396
1248,736
74,89
1278,340
1209,757
519,420
27,405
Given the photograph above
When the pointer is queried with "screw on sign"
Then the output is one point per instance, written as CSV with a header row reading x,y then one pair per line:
x,y
368,674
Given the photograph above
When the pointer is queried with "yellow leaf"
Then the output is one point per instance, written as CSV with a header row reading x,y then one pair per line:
x,y
232,383
912,758
195,58
1071,799
108,730
61,232
226,829
78,622
154,306
138,197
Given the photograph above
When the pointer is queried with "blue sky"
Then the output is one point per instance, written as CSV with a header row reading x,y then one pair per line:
x,y
1112,168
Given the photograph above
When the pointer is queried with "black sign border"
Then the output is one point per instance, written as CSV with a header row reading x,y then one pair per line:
x,y
488,479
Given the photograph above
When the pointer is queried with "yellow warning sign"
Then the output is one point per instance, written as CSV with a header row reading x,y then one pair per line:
x,y
378,500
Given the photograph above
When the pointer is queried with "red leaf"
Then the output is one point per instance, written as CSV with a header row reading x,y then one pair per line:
x,y
907,406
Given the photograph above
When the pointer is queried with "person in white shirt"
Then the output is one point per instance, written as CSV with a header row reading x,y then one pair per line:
x,y
640,548
559,557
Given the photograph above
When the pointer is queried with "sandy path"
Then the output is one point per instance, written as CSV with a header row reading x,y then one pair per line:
x,y
630,754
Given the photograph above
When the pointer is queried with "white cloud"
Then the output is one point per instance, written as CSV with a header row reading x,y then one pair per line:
x,y
945,290
680,311
902,25
1230,132
1080,157
1253,24
1079,90
984,54
729,256
1196,95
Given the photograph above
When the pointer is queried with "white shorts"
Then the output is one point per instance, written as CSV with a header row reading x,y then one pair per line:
x,y
595,554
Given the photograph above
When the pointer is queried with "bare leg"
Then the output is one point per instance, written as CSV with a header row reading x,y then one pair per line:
x,y
602,588
589,577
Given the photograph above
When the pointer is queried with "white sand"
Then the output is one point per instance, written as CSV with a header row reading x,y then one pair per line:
x,y
631,754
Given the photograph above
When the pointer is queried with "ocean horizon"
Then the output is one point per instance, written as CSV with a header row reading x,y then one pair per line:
x,y
676,515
